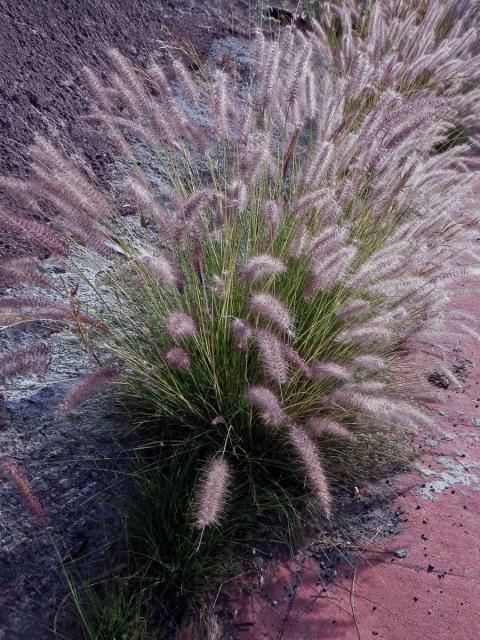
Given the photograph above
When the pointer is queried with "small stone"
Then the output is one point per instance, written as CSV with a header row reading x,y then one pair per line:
x,y
430,568
58,268
68,83
438,380
401,553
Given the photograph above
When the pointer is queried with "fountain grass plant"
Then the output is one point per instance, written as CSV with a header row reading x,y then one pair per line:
x,y
295,231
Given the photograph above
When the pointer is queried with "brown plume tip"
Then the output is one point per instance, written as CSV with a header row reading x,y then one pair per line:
x,y
310,460
20,482
87,387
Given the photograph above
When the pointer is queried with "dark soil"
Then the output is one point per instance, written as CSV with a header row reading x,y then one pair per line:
x,y
83,520
44,45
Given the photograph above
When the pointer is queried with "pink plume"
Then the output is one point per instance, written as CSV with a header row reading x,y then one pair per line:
x,y
88,386
163,268
325,370
365,334
268,405
212,493
296,360
272,310
181,325
273,212
218,287
24,487
242,332
369,362
34,358
262,266
325,427
271,356
40,233
308,455
25,271
353,309
178,358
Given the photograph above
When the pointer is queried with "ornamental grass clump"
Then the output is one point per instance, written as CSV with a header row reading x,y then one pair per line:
x,y
295,231
427,48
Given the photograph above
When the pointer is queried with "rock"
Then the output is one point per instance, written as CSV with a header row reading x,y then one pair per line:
x,y
401,553
438,380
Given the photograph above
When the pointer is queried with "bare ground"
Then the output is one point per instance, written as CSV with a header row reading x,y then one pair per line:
x,y
45,44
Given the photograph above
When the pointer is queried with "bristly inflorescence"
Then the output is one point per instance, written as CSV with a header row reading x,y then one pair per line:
x,y
86,387
25,489
212,493
307,227
34,358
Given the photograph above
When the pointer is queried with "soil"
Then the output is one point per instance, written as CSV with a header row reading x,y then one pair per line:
x,y
45,44
72,463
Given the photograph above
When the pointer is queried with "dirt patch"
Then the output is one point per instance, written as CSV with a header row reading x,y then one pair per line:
x,y
44,46
422,582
